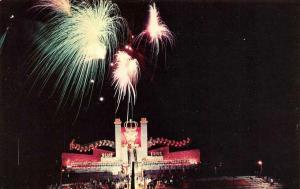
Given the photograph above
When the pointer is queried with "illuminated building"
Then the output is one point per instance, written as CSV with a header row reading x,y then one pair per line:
x,y
131,145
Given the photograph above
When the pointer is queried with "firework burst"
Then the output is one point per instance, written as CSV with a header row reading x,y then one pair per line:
x,y
156,32
125,78
62,6
74,49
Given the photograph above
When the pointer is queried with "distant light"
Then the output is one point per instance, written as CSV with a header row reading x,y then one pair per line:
x,y
101,99
92,81
132,36
12,16
244,39
111,64
128,47
259,162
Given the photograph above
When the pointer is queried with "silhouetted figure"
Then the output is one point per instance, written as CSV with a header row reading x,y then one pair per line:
x,y
132,177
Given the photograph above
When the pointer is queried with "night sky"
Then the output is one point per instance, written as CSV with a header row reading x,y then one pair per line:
x,y
230,83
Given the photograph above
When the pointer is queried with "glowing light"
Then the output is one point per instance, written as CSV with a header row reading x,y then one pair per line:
x,y
12,16
125,78
157,32
259,162
63,6
92,81
74,49
128,47
101,99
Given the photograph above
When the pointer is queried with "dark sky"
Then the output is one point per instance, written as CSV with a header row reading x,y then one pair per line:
x,y
231,83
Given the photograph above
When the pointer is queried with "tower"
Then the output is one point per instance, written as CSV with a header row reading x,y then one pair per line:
x,y
118,138
144,138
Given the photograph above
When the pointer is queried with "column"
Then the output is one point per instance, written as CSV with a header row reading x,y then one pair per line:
x,y
144,137
118,137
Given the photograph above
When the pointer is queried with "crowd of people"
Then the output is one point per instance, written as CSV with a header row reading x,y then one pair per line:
x,y
99,184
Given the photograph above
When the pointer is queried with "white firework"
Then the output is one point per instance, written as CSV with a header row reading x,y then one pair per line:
x,y
125,78
62,6
156,33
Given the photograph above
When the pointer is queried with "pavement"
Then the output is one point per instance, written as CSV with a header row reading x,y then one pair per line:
x,y
241,182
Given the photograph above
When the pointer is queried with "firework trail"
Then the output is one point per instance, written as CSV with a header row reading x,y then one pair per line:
x,y
62,6
74,49
156,33
2,39
125,78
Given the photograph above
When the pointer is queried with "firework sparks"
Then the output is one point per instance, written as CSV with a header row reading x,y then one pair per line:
x,y
157,32
2,39
63,6
125,78
75,48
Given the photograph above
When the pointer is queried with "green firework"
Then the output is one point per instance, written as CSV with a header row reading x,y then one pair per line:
x,y
2,39
74,49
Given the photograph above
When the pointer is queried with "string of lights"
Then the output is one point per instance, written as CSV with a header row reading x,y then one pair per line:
x,y
108,143
173,143
91,146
